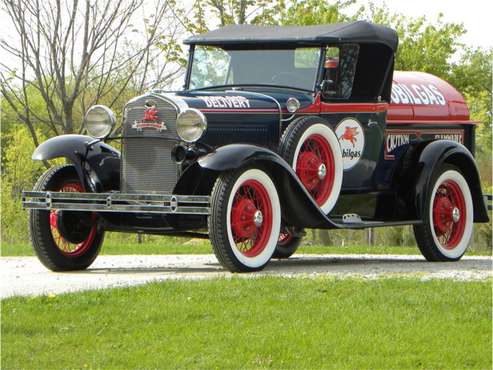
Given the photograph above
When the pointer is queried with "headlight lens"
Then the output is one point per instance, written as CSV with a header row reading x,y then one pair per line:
x,y
99,121
292,105
190,125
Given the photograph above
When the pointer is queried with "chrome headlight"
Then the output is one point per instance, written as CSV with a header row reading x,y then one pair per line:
x,y
292,105
99,121
190,125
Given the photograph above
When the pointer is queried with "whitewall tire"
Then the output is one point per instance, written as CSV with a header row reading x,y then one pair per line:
x,y
447,226
245,219
312,149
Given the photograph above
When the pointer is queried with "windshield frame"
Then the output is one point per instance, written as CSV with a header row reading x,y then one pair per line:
x,y
315,88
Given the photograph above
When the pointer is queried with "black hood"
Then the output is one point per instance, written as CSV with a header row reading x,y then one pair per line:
x,y
243,101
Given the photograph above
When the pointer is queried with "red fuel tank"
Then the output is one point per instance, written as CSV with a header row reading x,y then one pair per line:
x,y
421,97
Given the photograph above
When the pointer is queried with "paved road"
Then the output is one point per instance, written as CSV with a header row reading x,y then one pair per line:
x,y
26,276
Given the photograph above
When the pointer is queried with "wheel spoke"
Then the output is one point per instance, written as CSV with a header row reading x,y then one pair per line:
x,y
449,228
314,153
248,227
65,246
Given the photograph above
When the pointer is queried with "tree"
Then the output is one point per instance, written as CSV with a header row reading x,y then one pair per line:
x,y
424,45
310,12
19,173
77,53
226,12
266,12
472,75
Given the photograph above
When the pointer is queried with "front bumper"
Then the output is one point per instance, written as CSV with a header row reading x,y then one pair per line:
x,y
117,202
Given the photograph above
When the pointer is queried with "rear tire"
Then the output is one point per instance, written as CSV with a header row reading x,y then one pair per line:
x,y
245,219
448,220
288,243
53,250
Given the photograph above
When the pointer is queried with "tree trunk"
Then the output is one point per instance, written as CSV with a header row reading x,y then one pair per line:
x,y
325,238
370,237
69,119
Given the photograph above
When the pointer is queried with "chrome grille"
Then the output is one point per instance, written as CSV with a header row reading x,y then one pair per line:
x,y
146,154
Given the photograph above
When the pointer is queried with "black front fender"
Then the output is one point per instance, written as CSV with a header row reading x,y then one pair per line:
x,y
98,167
432,157
298,207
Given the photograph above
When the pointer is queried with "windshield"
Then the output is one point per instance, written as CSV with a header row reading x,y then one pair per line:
x,y
213,66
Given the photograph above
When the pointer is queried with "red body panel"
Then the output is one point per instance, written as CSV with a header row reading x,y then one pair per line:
x,y
420,97
320,106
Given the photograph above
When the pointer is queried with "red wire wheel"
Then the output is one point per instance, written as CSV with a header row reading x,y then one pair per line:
x,y
66,247
449,214
447,226
315,167
251,218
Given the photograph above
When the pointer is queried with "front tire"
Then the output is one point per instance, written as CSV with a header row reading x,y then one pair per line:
x,y
448,221
47,228
245,220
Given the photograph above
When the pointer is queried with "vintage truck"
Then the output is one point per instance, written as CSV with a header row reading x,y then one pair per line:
x,y
276,130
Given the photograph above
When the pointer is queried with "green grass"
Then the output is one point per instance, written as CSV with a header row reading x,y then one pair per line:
x,y
170,245
255,323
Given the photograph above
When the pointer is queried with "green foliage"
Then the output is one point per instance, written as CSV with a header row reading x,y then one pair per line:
x,y
37,111
309,12
423,45
173,50
210,14
472,71
19,173
472,75
480,109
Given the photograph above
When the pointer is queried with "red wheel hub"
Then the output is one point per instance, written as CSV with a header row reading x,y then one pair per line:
x,y
442,213
66,247
315,167
309,165
251,218
449,214
243,219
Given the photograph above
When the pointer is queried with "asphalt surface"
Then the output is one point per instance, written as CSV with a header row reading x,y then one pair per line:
x,y
25,276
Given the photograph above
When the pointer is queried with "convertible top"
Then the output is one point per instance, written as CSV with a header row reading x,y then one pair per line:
x,y
354,32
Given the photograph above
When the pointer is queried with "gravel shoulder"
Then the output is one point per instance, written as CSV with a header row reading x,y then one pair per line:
x,y
25,276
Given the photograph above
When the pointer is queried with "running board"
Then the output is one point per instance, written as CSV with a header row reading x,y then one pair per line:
x,y
352,222
117,202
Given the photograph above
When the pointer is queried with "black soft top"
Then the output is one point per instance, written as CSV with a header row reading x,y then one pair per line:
x,y
360,32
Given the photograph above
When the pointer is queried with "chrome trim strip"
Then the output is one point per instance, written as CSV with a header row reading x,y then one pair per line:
x,y
117,202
